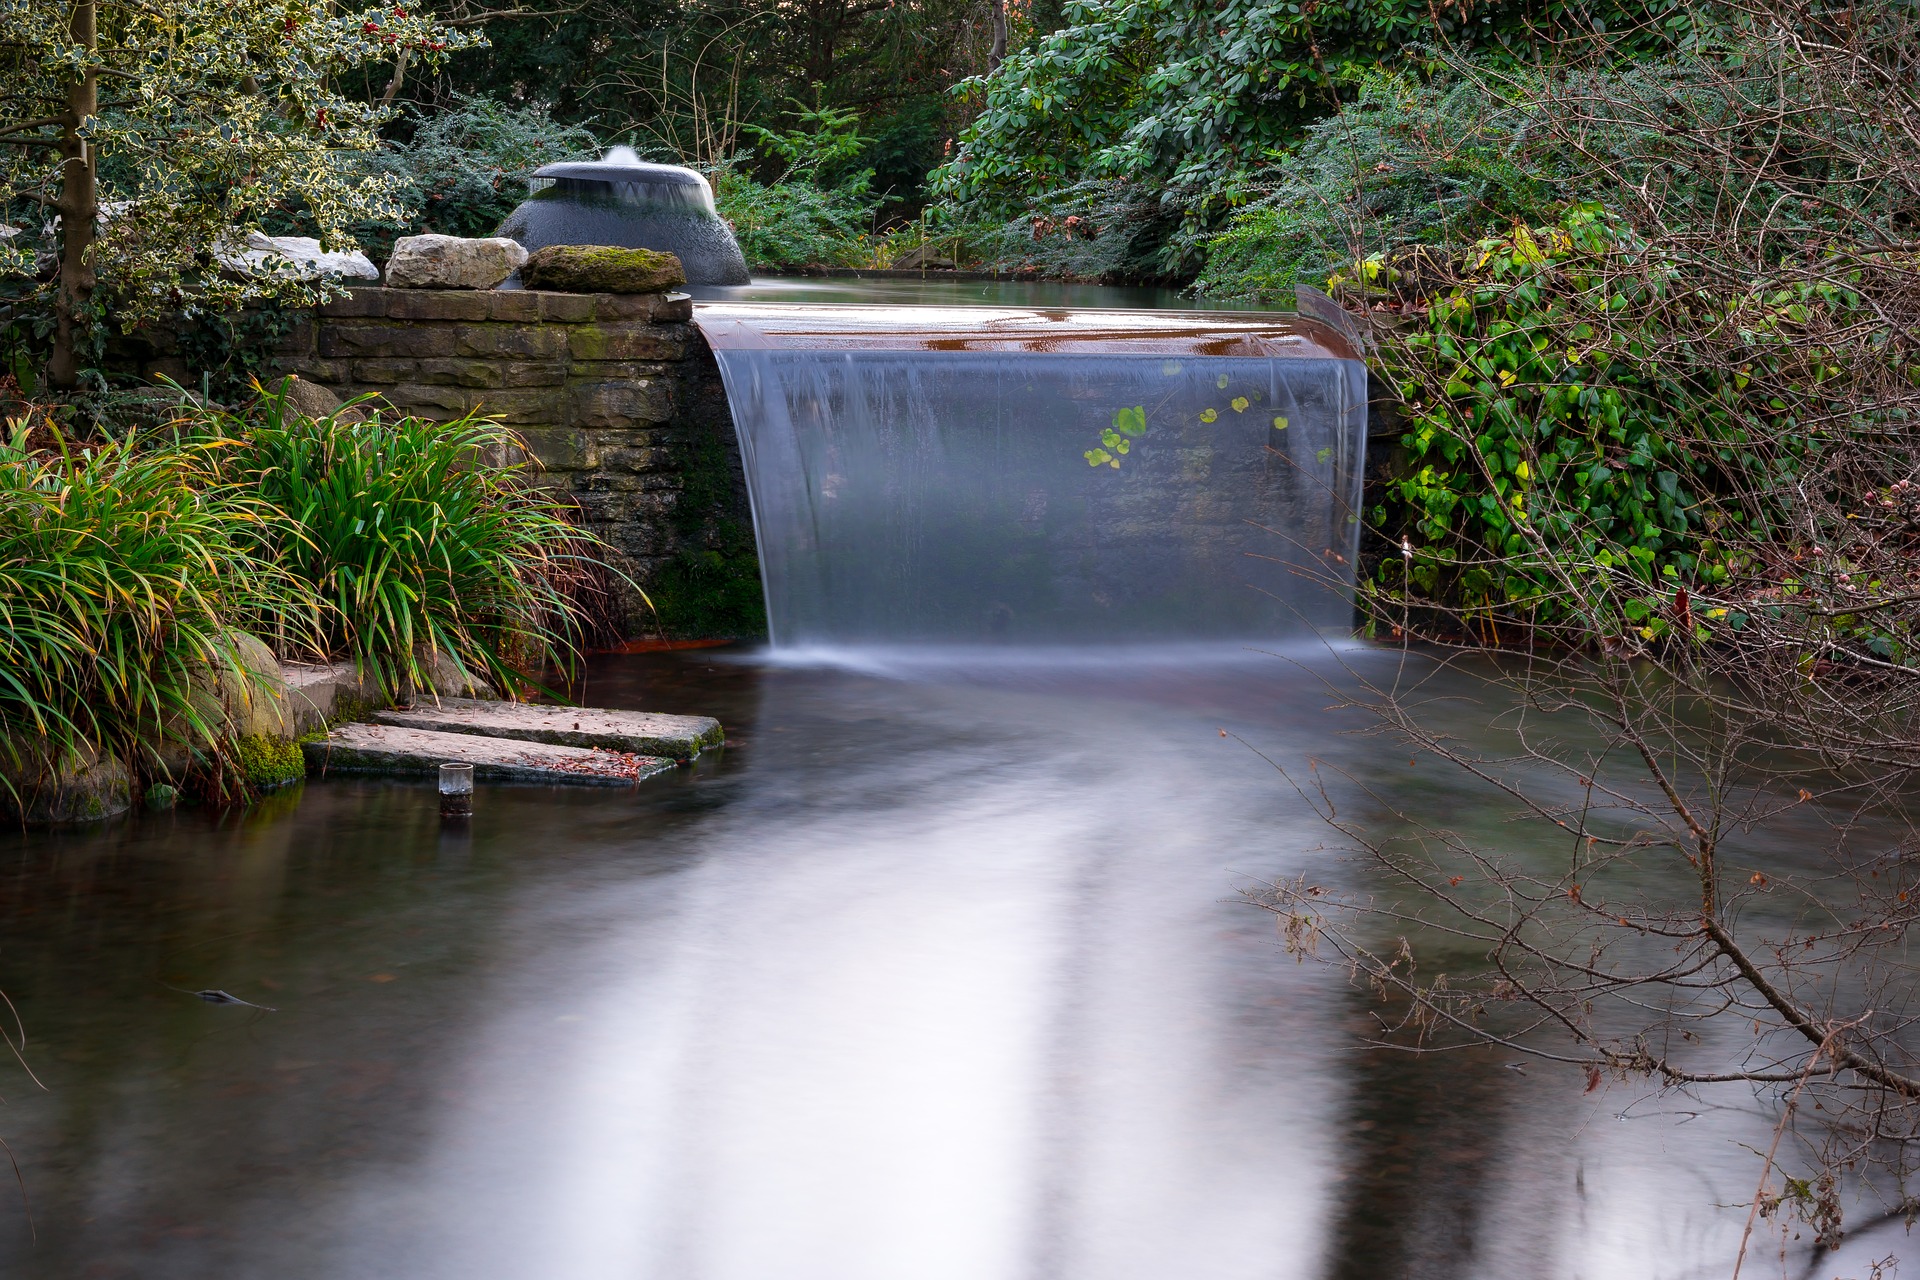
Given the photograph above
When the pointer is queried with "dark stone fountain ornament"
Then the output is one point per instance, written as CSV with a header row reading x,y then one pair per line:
x,y
627,202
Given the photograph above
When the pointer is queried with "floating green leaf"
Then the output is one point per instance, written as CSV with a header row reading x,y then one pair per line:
x,y
1279,424
1131,422
1209,415
1240,404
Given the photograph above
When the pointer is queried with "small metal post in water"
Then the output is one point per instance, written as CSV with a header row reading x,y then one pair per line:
x,y
456,791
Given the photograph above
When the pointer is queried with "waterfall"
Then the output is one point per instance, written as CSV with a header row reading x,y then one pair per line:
x,y
1004,475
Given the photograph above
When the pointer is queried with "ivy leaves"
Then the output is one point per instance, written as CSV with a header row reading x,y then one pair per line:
x,y
1117,440
1129,424
1536,430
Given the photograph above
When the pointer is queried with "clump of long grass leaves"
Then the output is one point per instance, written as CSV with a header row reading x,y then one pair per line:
x,y
419,539
129,567
125,568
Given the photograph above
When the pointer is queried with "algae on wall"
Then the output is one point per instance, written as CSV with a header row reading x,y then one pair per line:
x,y
711,588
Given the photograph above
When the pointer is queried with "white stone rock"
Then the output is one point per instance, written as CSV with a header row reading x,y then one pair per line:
x,y
292,255
452,262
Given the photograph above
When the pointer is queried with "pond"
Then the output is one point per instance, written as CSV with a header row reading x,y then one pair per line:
x,y
942,971
935,290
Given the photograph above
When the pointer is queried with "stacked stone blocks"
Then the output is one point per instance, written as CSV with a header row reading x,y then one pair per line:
x,y
607,389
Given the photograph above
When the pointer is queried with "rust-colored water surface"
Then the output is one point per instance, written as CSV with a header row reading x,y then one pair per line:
x,y
1039,331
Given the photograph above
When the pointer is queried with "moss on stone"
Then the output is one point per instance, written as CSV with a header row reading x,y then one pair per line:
x,y
599,268
86,786
346,710
711,589
268,762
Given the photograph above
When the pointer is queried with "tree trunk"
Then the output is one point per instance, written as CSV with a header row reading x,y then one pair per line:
x,y
399,74
997,51
78,207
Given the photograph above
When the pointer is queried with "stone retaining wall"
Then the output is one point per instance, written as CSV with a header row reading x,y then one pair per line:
x,y
617,395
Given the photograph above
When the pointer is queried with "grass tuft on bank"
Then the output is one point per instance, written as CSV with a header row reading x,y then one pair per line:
x,y
132,570
419,538
124,569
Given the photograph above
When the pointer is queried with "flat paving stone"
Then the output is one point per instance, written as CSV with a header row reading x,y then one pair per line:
x,y
320,692
639,732
388,749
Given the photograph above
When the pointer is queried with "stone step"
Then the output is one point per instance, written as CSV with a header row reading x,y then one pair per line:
x,y
323,692
388,749
638,732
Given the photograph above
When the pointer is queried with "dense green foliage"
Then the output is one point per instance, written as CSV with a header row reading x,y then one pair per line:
x,y
1194,95
419,538
1644,324
1406,162
789,224
466,165
685,82
816,206
124,568
1553,444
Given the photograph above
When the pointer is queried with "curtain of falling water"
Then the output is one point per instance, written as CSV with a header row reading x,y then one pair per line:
x,y
949,496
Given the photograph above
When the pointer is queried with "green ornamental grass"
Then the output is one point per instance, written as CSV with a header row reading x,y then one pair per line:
x,y
420,538
125,567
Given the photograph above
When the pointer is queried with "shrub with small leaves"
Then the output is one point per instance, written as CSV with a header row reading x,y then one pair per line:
x,y
466,166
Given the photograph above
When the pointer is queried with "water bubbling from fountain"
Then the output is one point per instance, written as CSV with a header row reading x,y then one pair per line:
x,y
627,202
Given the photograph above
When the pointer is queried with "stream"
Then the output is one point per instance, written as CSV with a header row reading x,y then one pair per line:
x,y
941,972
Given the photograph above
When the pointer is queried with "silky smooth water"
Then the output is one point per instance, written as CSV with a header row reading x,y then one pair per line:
x,y
940,972
947,289
1034,476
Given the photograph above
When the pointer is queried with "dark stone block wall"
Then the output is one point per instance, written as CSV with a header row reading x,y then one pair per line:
x,y
618,397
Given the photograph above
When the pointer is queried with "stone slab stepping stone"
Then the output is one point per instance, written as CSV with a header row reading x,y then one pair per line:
x,y
388,749
320,692
639,732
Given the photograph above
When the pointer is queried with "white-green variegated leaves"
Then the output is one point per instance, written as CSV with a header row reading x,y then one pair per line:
x,y
214,116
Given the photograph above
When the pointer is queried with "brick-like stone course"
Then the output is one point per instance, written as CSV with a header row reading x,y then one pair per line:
x,y
613,394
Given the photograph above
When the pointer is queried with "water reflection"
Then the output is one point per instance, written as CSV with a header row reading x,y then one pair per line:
x,y
943,978
932,290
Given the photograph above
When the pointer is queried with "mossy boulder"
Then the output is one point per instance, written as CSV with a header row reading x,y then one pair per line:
x,y
246,690
240,693
267,762
86,787
599,268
